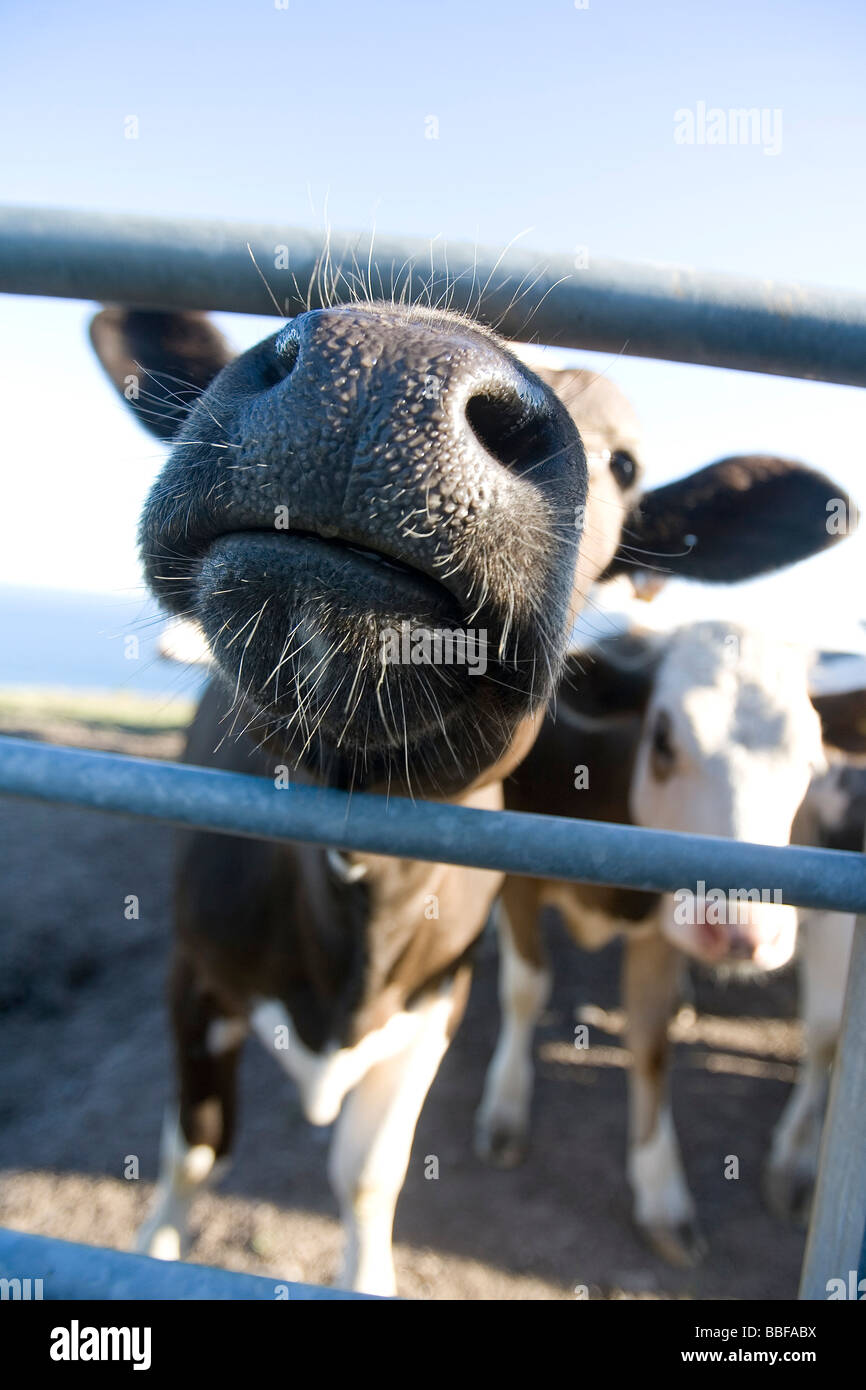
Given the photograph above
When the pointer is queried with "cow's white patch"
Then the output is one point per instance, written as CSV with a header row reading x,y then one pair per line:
x,y
655,1170
524,988
224,1034
165,1243
744,733
324,1078
373,1141
342,867
184,1170
825,951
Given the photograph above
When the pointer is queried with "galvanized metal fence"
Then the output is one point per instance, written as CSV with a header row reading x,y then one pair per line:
x,y
642,310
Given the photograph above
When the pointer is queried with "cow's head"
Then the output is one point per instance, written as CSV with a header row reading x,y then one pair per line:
x,y
730,743
373,475
731,736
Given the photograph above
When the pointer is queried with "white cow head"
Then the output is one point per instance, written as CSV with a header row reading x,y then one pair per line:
x,y
730,742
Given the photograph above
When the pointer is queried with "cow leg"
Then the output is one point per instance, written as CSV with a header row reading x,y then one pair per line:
x,y
502,1121
373,1141
663,1206
198,1134
825,950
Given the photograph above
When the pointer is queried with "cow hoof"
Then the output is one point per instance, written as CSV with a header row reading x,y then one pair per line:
x,y
681,1244
161,1241
788,1192
499,1145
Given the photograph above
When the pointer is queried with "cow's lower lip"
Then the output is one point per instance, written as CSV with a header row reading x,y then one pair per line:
x,y
316,639
374,581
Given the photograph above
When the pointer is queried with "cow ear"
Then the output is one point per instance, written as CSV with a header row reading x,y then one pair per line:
x,y
159,362
613,677
843,719
736,519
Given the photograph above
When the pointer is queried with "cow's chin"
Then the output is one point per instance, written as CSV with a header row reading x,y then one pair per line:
x,y
361,674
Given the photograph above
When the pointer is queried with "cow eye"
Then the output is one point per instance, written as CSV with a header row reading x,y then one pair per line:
x,y
662,754
623,468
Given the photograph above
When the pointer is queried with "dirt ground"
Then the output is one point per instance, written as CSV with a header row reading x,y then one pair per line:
x,y
85,1075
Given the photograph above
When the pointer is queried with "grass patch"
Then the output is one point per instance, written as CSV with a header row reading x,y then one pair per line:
x,y
125,710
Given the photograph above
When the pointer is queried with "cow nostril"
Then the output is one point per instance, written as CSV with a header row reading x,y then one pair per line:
x,y
518,432
287,346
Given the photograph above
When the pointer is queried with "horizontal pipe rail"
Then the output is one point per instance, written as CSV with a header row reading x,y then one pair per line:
x,y
643,310
539,846
80,1272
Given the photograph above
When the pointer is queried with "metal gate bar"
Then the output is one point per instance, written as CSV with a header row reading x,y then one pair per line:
x,y
69,1271
513,842
610,306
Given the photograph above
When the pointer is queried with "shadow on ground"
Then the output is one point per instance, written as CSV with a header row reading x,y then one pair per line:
x,y
85,1076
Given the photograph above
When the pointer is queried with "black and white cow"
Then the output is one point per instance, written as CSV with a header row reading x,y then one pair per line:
x,y
710,730
363,468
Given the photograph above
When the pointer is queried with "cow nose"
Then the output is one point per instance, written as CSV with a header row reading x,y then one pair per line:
x,y
418,439
469,393
764,934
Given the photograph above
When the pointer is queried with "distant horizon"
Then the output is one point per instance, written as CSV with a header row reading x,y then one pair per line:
x,y
102,642
75,640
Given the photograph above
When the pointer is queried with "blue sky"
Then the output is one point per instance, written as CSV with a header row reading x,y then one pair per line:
x,y
553,121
